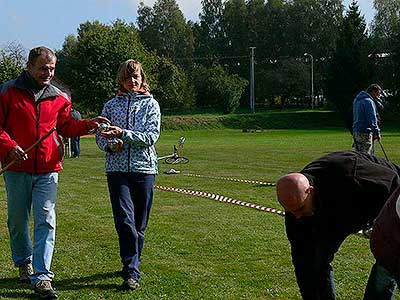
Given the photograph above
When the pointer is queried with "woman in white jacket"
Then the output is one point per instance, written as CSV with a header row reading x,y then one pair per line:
x,y
131,163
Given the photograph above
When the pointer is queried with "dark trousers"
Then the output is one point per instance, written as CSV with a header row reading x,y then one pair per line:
x,y
131,197
76,146
312,255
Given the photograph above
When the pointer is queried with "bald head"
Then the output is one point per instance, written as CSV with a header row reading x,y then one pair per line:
x,y
295,194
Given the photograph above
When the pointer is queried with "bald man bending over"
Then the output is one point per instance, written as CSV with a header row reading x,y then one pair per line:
x,y
332,197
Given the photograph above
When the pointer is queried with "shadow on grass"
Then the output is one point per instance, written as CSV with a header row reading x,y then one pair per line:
x,y
386,135
88,282
11,288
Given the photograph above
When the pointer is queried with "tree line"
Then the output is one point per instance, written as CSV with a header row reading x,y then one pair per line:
x,y
205,64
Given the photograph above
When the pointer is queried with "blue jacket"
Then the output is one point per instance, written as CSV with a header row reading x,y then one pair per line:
x,y
140,118
365,118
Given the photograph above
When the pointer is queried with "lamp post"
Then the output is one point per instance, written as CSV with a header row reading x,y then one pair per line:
x,y
252,98
312,78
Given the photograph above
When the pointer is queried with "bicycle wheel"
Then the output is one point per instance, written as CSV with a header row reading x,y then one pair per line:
x,y
183,160
171,160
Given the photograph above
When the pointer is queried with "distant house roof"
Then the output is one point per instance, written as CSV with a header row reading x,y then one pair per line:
x,y
379,55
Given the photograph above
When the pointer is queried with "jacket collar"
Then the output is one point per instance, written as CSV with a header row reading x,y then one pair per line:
x,y
138,92
26,82
363,95
133,96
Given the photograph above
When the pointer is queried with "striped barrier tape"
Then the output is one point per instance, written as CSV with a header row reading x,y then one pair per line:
x,y
233,201
231,179
220,198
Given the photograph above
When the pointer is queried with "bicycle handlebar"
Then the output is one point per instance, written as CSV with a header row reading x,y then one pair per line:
x,y
174,155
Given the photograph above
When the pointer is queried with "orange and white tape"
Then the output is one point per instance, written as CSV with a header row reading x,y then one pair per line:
x,y
220,198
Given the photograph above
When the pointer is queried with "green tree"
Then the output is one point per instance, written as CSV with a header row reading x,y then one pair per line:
x,y
395,88
287,82
255,21
396,57
312,26
273,42
385,41
12,61
215,88
172,88
386,18
349,71
278,29
163,29
209,37
89,62
235,27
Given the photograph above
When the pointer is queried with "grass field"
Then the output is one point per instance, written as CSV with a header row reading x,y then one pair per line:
x,y
195,248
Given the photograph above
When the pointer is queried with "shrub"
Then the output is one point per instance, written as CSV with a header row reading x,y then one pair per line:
x,y
172,88
215,88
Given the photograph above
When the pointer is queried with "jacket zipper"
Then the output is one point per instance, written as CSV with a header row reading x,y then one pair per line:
x,y
149,154
127,127
37,135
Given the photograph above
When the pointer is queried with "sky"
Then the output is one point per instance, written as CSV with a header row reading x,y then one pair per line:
x,y
36,23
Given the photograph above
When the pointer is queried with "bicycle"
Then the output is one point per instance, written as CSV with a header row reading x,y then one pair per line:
x,y
175,157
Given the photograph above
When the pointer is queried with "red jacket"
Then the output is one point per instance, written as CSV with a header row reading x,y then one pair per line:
x,y
23,121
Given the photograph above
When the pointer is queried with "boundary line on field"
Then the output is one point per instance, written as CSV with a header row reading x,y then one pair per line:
x,y
220,198
231,179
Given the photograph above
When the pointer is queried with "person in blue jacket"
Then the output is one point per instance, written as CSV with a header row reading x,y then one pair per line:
x,y
365,120
131,163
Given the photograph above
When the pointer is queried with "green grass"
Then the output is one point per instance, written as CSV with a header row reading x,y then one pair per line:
x,y
195,248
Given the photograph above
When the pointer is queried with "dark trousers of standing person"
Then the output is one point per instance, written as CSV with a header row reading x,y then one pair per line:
x,y
75,146
312,256
131,197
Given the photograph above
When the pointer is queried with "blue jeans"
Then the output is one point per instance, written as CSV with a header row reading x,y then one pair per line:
x,y
381,284
131,197
39,191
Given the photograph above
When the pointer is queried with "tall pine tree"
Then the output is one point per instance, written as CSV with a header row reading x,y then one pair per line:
x,y
349,71
164,29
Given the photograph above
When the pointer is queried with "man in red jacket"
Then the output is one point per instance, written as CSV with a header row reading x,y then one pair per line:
x,y
30,107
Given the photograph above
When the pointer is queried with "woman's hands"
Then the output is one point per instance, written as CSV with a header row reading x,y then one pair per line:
x,y
111,132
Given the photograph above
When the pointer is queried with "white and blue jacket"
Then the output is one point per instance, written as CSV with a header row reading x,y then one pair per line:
x,y
140,119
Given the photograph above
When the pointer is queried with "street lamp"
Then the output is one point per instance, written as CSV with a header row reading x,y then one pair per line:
x,y
312,78
252,100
